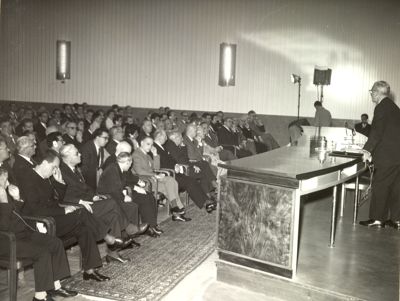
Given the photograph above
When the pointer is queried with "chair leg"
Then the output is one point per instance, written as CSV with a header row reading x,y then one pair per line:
x,y
12,283
342,200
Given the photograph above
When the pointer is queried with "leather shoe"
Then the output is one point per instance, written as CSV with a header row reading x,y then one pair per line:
x,y
176,210
120,244
96,276
152,233
48,298
157,227
62,292
156,230
181,218
211,207
392,224
372,223
118,258
141,230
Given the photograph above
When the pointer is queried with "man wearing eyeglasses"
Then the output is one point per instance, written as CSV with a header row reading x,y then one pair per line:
x,y
383,146
70,134
94,155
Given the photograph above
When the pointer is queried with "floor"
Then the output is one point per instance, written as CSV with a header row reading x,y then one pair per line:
x,y
375,276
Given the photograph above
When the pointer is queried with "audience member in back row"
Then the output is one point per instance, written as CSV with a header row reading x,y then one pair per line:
x,y
363,127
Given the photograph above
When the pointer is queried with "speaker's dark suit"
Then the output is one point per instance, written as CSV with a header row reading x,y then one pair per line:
x,y
228,138
384,145
187,183
42,199
46,252
106,210
113,182
180,154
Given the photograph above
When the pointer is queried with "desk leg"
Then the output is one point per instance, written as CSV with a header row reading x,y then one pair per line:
x,y
333,218
356,193
342,199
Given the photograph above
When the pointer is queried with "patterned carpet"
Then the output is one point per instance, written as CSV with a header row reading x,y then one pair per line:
x,y
159,264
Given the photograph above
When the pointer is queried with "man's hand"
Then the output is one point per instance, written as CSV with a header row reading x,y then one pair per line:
x,y
219,148
14,192
127,199
70,209
87,204
154,151
57,175
3,195
366,156
196,169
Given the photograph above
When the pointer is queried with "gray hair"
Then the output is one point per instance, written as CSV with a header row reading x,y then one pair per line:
x,y
159,133
22,143
123,147
382,87
66,150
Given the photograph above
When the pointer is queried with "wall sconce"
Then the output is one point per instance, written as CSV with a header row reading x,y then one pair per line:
x,y
227,64
63,63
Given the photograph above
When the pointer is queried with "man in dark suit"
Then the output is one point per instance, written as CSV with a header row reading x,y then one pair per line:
x,y
145,130
93,157
190,184
211,138
197,170
41,125
23,163
363,127
229,139
114,181
384,146
89,131
116,135
70,134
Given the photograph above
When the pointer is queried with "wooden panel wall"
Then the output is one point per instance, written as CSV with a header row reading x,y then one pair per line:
x,y
148,53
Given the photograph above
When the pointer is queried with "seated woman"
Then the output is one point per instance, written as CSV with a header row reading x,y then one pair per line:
x,y
47,252
144,165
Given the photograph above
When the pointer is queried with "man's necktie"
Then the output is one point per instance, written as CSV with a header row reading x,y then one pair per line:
x,y
79,174
100,157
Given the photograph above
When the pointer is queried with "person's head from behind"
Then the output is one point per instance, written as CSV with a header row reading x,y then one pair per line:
x,y
48,164
379,91
160,136
70,155
101,137
317,105
4,151
176,137
364,118
26,146
71,128
123,147
116,133
147,126
146,144
55,141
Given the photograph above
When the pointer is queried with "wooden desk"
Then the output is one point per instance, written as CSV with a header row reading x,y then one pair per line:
x,y
258,216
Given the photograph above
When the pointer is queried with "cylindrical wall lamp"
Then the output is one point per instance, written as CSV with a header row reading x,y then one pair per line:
x,y
227,64
63,63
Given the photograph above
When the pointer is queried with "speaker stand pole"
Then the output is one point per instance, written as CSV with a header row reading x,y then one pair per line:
x,y
298,100
322,93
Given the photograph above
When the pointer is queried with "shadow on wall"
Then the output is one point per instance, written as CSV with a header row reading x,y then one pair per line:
x,y
277,125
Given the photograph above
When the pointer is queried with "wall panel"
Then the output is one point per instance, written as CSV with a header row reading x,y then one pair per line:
x,y
149,53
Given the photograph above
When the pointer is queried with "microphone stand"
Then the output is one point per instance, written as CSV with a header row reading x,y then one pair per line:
x,y
298,99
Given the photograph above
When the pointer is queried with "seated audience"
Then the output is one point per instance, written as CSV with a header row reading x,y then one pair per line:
x,y
41,126
116,135
23,163
145,131
55,141
185,182
258,128
229,139
71,133
144,165
211,139
131,135
88,132
50,264
43,144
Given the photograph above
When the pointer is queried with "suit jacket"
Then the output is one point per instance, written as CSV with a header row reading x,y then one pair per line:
x,y
179,153
211,139
111,146
76,188
384,139
22,170
11,176
68,140
143,164
195,151
86,136
11,141
363,130
112,182
142,135
166,160
40,131
227,137
42,196
90,164
10,222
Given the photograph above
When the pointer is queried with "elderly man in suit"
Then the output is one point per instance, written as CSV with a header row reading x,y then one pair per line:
x,y
50,262
117,135
102,207
144,165
43,194
117,180
383,145
190,184
94,155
